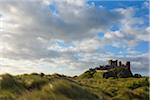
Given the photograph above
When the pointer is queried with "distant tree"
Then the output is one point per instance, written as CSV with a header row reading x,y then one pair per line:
x,y
137,75
42,74
91,69
34,74
75,76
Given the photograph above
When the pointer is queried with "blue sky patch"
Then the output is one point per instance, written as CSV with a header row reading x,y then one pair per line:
x,y
116,4
100,35
53,8
143,46
110,48
115,27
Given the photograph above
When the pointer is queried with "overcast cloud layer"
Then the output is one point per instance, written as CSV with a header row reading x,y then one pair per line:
x,y
63,36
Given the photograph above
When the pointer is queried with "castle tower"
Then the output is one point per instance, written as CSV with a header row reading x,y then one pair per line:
x,y
128,65
113,63
120,64
110,62
116,63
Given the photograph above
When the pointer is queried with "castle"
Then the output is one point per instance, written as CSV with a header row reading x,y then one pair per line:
x,y
114,68
113,64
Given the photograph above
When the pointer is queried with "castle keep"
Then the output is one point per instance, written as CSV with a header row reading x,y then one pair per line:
x,y
114,68
113,64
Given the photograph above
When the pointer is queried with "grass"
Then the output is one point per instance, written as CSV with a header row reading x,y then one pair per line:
x,y
59,87
120,88
91,74
115,73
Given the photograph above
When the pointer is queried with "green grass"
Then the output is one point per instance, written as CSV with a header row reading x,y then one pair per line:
x,y
119,88
60,87
115,73
91,74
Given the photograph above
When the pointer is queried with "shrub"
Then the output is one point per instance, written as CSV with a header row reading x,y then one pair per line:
x,y
34,74
42,74
137,76
8,82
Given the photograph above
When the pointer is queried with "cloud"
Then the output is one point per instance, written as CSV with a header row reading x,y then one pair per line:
x,y
66,36
32,22
146,4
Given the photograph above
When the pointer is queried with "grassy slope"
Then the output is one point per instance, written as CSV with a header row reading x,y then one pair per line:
x,y
36,87
119,89
57,87
115,72
91,74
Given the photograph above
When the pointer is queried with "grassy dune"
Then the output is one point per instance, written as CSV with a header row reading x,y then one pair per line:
x,y
118,89
37,87
58,87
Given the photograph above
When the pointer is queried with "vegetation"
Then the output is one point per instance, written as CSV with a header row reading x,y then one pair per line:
x,y
119,88
88,86
91,74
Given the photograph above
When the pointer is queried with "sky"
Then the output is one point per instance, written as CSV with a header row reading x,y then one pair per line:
x,y
71,36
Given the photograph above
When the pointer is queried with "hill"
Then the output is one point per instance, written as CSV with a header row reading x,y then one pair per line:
x,y
115,72
119,88
60,87
42,87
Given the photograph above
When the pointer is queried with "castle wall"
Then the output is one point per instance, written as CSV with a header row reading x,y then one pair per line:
x,y
128,65
120,63
114,64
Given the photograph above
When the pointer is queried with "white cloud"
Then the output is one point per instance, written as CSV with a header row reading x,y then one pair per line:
x,y
32,35
146,4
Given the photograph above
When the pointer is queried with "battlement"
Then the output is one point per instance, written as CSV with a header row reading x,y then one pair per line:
x,y
114,64
111,69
